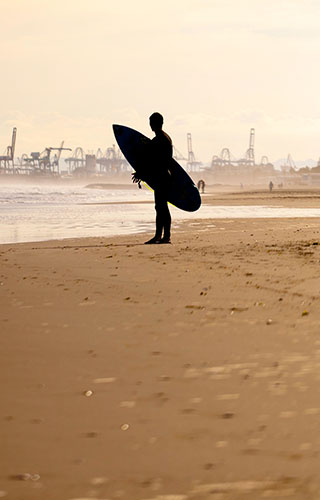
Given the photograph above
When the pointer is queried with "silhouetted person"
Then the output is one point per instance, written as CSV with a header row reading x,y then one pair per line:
x,y
161,154
201,185
270,186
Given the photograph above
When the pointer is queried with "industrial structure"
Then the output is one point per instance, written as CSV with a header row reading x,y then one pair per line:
x,y
7,160
289,166
226,165
192,165
110,161
42,163
79,163
224,168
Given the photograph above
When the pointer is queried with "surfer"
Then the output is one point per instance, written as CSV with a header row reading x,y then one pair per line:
x,y
161,154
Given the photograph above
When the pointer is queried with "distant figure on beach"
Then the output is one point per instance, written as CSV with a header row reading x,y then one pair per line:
x,y
270,186
160,152
201,185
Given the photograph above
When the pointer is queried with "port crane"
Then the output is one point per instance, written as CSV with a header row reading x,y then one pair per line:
x,y
9,156
192,164
43,162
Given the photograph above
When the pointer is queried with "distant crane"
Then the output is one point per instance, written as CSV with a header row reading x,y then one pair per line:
x,y
192,164
9,156
290,162
45,162
289,165
112,161
250,152
76,160
249,159
41,163
56,159
225,156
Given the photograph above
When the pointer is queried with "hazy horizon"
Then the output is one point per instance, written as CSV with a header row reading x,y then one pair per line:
x,y
213,68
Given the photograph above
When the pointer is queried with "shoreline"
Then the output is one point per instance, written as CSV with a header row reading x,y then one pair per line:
x,y
51,223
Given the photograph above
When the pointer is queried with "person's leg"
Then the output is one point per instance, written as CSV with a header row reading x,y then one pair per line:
x,y
163,219
159,222
159,206
166,224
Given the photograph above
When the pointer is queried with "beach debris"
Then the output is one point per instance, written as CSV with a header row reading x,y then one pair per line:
x,y
188,411
87,302
26,476
124,427
91,434
227,415
304,313
88,393
238,309
79,461
208,466
104,380
269,321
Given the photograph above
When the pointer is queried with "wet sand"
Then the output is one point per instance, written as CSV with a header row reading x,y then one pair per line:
x,y
290,198
170,372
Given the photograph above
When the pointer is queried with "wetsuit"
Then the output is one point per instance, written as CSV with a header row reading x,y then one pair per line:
x,y
161,154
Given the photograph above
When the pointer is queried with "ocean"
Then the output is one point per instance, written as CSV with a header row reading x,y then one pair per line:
x,y
46,212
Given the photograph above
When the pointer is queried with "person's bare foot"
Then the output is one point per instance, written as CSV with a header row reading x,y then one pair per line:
x,y
165,241
154,241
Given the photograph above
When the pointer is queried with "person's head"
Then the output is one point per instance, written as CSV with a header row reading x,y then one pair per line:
x,y
156,121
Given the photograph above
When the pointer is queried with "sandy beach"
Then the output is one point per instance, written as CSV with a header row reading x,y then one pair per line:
x,y
167,372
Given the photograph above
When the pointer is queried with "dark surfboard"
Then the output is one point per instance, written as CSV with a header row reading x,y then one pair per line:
x,y
181,191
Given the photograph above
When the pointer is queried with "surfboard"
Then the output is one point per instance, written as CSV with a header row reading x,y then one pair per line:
x,y
181,192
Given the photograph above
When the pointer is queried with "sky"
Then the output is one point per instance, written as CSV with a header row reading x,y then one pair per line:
x,y
213,68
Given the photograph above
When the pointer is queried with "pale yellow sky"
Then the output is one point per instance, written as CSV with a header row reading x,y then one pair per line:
x,y
215,68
